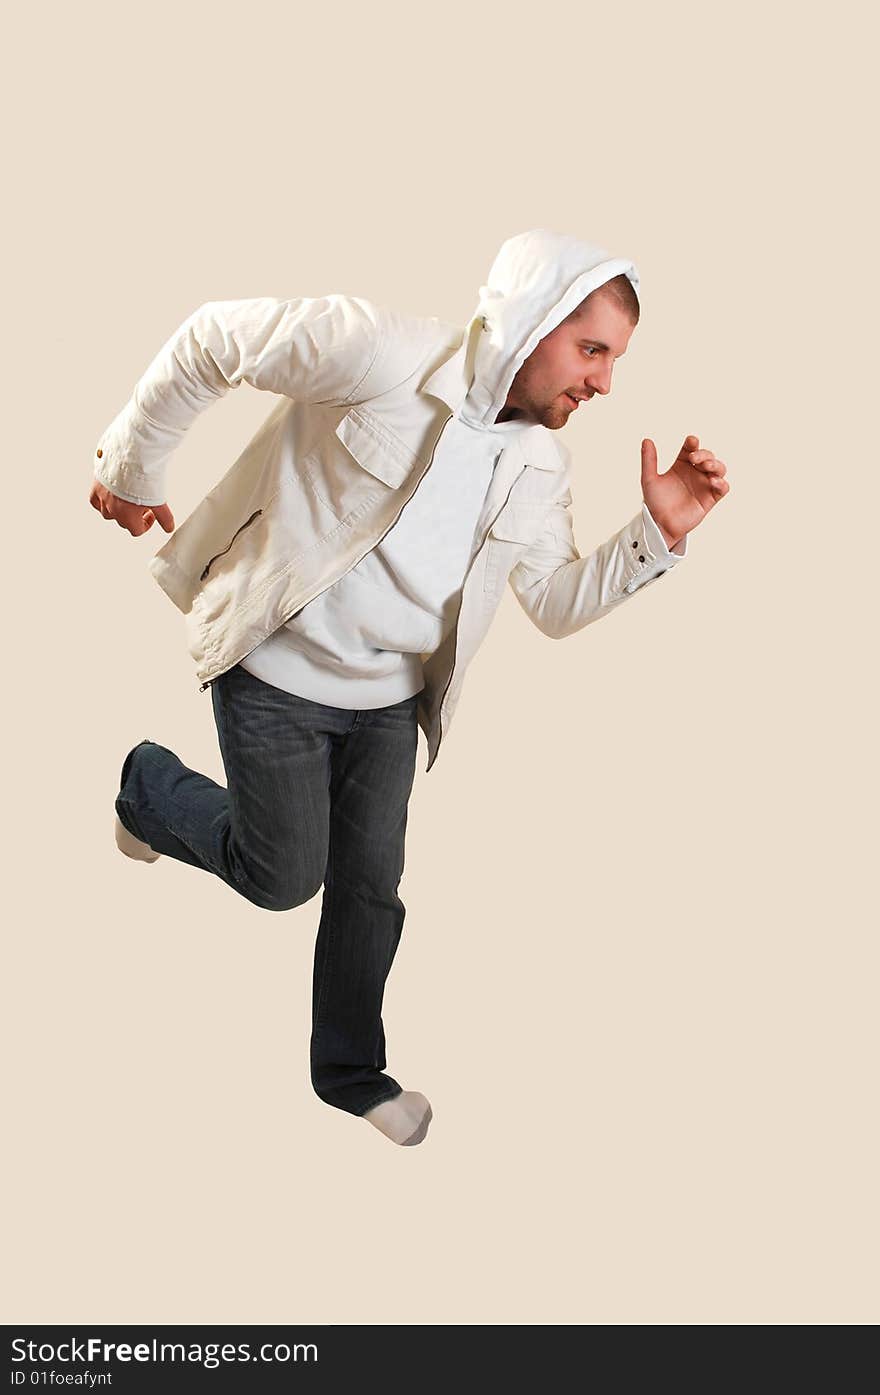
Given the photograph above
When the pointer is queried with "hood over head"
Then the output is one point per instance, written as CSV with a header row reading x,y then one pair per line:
x,y
535,281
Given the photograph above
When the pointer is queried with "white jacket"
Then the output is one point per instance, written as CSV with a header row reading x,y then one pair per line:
x,y
365,393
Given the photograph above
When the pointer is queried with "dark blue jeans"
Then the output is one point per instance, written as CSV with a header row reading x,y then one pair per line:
x,y
316,796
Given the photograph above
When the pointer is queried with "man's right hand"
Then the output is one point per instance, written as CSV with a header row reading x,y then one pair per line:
x,y
136,518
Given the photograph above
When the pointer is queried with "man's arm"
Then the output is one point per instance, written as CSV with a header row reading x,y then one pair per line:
x,y
309,349
561,591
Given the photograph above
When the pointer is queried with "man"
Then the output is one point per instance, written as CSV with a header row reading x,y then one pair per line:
x,y
339,578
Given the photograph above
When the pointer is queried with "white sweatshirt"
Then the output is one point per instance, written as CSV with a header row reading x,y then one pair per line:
x,y
360,644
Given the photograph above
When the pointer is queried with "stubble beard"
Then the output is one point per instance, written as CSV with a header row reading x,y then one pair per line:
x,y
553,415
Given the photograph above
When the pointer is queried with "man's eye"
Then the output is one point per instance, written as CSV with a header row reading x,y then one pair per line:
x,y
590,349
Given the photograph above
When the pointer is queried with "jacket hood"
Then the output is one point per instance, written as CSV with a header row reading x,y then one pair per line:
x,y
535,281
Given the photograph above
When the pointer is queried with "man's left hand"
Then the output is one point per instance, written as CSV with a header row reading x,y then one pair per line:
x,y
680,499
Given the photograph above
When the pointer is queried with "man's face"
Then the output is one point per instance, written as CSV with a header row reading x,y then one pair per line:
x,y
572,362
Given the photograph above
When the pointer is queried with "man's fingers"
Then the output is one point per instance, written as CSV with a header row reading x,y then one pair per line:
x,y
649,461
139,522
136,519
704,460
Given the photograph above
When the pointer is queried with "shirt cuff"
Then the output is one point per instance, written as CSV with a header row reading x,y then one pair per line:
x,y
116,461
654,557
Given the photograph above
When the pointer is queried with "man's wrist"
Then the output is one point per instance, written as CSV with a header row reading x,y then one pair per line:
x,y
660,540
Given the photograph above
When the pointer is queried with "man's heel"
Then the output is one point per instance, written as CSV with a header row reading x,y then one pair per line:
x,y
131,846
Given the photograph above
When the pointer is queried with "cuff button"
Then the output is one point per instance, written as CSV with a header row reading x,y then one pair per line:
x,y
641,558
99,454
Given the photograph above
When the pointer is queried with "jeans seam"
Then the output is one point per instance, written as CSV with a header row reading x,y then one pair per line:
x,y
329,907
382,1099
197,854
147,805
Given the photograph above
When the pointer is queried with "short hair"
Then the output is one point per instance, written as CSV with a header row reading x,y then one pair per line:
x,y
620,288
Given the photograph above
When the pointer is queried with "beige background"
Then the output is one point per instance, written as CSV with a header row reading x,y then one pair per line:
x,y
638,974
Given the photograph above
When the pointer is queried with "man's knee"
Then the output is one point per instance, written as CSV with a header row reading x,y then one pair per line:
x,y
281,894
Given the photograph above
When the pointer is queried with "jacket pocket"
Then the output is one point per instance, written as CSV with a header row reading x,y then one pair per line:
x,y
247,523
517,526
375,448
357,466
232,580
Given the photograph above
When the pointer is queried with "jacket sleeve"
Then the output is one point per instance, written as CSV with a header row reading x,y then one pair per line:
x,y
309,349
561,591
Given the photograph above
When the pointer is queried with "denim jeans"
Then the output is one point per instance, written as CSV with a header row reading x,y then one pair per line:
x,y
315,795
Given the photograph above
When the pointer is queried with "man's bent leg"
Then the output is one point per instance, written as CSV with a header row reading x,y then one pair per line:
x,y
362,916
266,835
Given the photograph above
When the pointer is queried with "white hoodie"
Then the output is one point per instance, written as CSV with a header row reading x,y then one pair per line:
x,y
361,643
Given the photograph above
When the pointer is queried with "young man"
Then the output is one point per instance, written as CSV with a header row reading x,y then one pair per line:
x,y
339,578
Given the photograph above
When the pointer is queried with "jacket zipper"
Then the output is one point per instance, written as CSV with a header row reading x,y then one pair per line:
x,y
247,524
208,683
455,636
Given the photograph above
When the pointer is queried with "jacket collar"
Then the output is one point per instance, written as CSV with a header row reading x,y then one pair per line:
x,y
451,381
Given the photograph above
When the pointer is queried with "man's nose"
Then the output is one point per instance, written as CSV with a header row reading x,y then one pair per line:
x,y
599,380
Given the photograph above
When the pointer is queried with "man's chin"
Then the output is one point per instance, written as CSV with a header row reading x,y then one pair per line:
x,y
554,416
